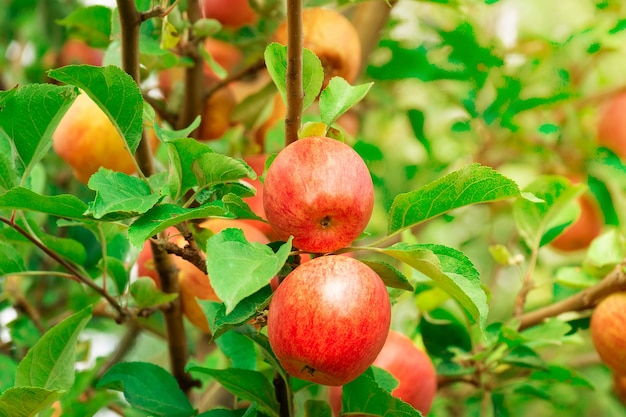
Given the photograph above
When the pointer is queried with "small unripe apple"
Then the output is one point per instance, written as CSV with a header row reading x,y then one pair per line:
x,y
87,140
333,38
612,125
319,191
608,331
230,13
412,367
329,319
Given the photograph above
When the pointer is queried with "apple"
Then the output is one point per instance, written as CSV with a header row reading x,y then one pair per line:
x,y
320,191
329,319
608,331
227,55
87,140
585,228
230,13
216,114
412,367
76,51
612,125
333,38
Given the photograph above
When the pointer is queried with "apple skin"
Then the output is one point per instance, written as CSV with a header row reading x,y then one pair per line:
x,y
216,114
329,319
194,283
412,367
87,140
320,191
333,38
612,125
585,228
230,13
76,51
608,325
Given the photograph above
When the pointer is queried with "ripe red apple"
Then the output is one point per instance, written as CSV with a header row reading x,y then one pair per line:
x,y
608,331
320,191
333,38
585,228
230,13
76,51
612,125
328,320
412,367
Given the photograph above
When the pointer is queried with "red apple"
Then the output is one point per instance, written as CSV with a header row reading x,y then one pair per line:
x,y
320,191
412,367
583,230
230,13
608,331
329,319
612,125
76,51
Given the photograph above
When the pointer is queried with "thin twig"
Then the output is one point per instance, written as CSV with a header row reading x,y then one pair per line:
x,y
588,298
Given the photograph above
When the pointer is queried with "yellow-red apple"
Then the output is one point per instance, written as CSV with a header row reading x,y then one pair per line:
x,y
333,38
608,331
319,191
87,140
76,51
329,319
216,114
612,125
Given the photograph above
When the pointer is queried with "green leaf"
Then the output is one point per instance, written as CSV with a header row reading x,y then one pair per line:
x,y
30,114
469,185
114,91
8,171
91,24
182,154
246,309
442,333
238,268
524,357
10,260
239,350
451,270
550,332
68,248
148,387
26,401
214,168
50,362
312,72
115,269
338,97
117,192
145,292
551,209
162,216
557,373
605,252
239,208
64,205
317,408
8,366
365,395
246,384
390,275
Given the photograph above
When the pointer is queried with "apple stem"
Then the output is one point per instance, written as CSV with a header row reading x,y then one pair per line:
x,y
613,282
295,92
